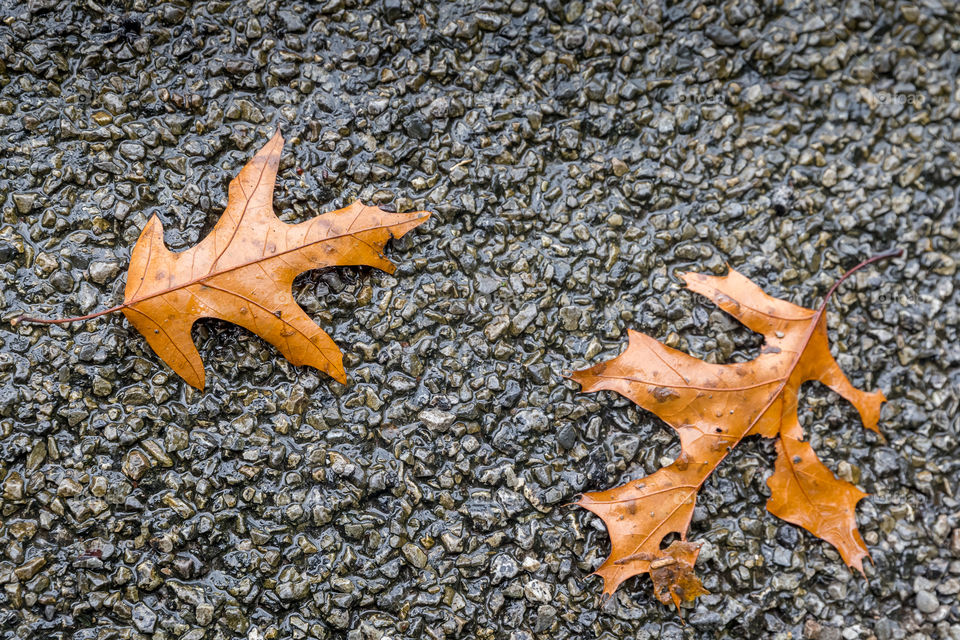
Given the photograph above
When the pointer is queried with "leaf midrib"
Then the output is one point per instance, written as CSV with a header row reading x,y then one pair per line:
x,y
210,275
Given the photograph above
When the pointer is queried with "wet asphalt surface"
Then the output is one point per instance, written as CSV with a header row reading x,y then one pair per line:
x,y
576,156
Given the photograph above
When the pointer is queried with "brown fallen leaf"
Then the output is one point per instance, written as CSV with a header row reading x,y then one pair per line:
x,y
713,407
243,272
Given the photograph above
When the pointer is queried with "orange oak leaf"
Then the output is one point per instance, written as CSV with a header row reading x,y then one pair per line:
x,y
243,272
713,407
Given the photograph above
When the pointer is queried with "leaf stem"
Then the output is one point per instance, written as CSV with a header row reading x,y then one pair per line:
x,y
89,316
893,253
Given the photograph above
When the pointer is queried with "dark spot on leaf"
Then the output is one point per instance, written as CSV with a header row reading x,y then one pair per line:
x,y
723,298
662,394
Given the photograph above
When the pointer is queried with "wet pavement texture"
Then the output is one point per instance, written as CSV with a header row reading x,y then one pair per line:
x,y
577,156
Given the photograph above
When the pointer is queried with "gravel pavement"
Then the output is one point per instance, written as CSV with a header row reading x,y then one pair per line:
x,y
577,156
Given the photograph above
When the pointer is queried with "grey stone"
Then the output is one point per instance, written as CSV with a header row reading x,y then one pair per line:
x,y
103,272
927,601
144,618
436,420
